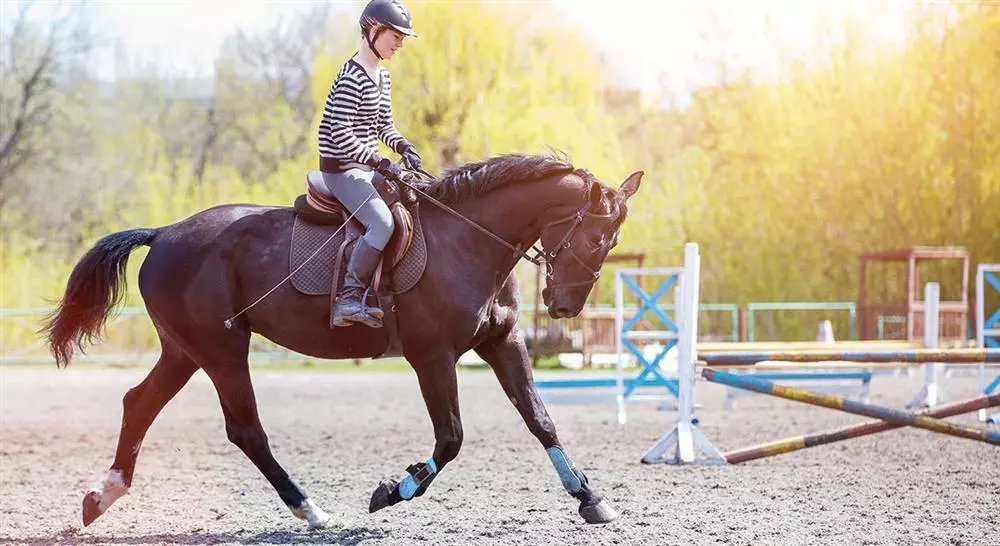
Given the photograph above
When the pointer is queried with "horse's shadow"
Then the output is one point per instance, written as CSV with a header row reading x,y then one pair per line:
x,y
344,537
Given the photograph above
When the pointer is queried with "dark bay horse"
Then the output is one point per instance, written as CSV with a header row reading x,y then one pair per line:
x,y
204,269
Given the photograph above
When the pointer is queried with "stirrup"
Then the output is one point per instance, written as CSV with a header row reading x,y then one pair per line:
x,y
366,320
373,311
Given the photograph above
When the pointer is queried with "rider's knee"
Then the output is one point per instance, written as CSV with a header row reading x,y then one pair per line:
x,y
380,226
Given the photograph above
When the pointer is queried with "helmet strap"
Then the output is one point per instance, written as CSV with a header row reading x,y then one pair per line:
x,y
371,37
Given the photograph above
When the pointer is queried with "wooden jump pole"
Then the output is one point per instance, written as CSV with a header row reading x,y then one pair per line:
x,y
898,417
950,356
787,445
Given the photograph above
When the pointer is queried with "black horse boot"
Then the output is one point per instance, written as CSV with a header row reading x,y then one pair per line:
x,y
350,305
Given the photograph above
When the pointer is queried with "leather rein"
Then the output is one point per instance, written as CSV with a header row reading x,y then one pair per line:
x,y
541,258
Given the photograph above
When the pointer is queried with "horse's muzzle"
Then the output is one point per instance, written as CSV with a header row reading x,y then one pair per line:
x,y
559,309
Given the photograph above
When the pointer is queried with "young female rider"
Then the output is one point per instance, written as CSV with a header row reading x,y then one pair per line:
x,y
357,114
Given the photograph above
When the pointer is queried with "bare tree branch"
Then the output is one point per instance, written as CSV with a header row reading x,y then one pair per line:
x,y
36,77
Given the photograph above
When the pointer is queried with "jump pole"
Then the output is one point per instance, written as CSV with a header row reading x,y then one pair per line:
x,y
787,445
898,417
951,356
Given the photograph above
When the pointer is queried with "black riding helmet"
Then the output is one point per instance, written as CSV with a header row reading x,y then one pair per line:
x,y
386,14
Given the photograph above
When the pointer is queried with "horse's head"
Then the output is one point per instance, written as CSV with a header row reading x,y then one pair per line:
x,y
577,245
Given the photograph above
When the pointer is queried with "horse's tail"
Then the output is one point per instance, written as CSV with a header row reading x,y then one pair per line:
x,y
96,285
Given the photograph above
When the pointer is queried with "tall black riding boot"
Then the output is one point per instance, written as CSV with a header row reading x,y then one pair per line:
x,y
350,306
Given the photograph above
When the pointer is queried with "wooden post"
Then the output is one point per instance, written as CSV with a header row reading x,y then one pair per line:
x,y
862,301
911,296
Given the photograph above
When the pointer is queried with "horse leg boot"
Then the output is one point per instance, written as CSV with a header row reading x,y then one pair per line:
x,y
350,306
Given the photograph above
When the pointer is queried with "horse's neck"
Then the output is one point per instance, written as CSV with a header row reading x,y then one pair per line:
x,y
515,214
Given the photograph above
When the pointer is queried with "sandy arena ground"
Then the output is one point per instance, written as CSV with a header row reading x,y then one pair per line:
x,y
338,434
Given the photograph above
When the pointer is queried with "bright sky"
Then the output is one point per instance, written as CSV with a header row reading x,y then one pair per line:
x,y
652,42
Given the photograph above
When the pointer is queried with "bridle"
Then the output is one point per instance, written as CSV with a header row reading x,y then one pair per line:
x,y
541,258
566,244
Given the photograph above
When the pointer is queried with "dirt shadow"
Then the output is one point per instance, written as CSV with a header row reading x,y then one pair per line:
x,y
344,537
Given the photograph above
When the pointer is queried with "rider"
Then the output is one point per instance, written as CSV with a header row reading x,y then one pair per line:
x,y
358,112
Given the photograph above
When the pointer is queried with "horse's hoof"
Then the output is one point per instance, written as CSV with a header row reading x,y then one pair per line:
x,y
601,512
321,521
91,507
314,515
380,498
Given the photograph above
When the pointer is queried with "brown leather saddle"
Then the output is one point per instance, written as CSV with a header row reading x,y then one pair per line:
x,y
320,247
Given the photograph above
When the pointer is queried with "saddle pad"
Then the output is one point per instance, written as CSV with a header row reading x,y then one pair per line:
x,y
316,277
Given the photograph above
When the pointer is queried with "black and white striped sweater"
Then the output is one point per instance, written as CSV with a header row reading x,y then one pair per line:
x,y
357,114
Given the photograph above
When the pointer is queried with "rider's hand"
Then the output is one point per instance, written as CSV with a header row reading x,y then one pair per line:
x,y
390,170
410,158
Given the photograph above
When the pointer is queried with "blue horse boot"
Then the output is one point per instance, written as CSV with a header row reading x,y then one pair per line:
x,y
391,492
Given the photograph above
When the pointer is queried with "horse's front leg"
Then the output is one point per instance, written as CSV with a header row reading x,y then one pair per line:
x,y
508,356
439,387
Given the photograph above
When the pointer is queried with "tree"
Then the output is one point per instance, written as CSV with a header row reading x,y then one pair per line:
x,y
465,89
40,71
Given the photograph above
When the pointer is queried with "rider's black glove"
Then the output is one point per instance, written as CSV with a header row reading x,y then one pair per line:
x,y
390,170
410,158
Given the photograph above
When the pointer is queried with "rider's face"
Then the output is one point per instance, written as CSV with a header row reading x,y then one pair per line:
x,y
388,43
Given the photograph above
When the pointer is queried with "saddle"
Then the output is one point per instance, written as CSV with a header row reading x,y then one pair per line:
x,y
319,254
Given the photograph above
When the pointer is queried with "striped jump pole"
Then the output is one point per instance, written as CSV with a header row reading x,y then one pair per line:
x,y
898,417
787,445
949,356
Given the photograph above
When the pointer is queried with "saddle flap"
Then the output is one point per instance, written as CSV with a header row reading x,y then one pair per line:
x,y
387,190
405,256
402,235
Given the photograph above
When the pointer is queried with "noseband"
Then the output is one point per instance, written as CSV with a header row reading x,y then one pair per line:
x,y
549,258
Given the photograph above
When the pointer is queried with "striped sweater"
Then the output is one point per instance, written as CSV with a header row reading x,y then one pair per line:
x,y
357,114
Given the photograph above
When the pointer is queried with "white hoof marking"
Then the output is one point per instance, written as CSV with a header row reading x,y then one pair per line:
x,y
112,488
313,514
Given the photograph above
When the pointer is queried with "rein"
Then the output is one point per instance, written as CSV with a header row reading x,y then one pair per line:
x,y
538,259
541,258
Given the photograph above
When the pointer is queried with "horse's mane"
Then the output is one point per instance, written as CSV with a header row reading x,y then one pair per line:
x,y
481,177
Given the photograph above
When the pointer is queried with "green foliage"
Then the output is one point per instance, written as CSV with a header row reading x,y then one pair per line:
x,y
512,85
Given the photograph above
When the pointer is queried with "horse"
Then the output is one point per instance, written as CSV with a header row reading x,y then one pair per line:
x,y
201,271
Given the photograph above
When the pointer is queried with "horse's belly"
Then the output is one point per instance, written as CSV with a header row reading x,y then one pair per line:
x,y
306,329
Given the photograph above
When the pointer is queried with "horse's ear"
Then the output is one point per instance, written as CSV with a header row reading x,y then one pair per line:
x,y
597,203
630,186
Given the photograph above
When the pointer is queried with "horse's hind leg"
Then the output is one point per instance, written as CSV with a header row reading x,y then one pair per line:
x,y
243,427
508,356
141,405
